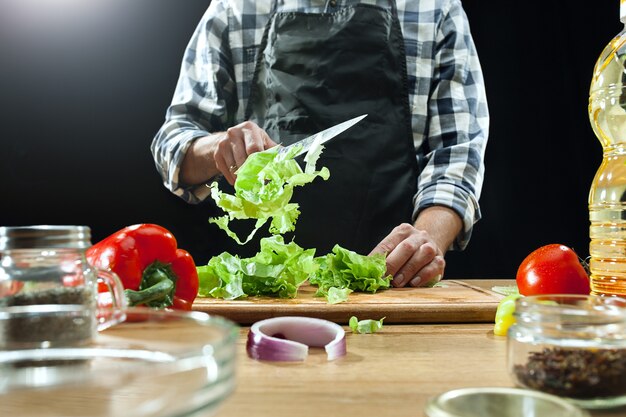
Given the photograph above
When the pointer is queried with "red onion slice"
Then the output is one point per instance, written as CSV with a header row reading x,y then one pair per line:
x,y
288,338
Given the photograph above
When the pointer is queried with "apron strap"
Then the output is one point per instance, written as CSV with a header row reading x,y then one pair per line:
x,y
394,9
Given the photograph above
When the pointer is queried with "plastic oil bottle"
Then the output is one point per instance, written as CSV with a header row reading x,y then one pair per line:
x,y
607,197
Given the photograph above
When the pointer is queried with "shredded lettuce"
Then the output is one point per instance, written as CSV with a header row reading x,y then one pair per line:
x,y
263,189
345,269
278,269
505,289
337,295
365,326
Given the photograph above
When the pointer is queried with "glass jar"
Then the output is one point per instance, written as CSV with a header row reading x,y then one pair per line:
x,y
572,346
49,295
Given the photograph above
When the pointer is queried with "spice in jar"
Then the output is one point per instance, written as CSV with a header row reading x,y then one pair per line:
x,y
575,373
60,316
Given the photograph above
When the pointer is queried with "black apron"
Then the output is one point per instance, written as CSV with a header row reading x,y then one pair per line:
x,y
315,70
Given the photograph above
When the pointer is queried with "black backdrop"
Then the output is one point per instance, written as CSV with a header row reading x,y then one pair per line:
x,y
84,85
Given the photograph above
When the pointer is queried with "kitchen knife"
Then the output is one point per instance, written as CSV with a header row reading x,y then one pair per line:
x,y
323,136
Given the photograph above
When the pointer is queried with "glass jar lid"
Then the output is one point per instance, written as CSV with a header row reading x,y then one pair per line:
x,y
500,402
44,236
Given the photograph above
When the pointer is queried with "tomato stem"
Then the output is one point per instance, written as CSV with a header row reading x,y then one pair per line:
x,y
585,264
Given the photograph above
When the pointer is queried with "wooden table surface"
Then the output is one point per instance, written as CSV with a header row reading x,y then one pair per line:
x,y
390,373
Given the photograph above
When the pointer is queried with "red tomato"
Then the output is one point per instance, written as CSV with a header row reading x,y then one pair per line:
x,y
552,269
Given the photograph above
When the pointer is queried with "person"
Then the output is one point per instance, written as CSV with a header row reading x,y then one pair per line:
x,y
405,181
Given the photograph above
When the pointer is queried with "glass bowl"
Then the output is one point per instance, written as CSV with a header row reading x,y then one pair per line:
x,y
156,363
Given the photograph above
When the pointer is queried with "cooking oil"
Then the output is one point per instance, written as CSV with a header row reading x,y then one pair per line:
x,y
607,197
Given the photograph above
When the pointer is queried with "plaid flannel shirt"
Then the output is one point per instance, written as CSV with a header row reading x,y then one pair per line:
x,y
450,117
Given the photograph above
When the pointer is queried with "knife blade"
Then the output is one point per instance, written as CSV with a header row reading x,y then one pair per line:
x,y
323,136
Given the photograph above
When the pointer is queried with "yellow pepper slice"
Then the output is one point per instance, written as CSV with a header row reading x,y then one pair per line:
x,y
504,315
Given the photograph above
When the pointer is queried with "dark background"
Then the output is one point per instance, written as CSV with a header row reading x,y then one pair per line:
x,y
84,85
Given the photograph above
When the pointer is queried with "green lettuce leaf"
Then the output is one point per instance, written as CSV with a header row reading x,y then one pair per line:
x,y
337,295
263,189
365,326
505,290
345,269
278,269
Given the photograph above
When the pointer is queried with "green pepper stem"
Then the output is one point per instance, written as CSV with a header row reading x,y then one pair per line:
x,y
157,292
157,287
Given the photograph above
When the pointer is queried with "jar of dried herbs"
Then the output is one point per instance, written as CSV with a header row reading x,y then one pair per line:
x,y
573,346
49,294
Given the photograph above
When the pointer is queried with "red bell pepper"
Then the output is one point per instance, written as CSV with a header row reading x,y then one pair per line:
x,y
153,270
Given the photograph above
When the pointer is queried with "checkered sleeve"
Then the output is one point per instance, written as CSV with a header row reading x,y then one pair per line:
x,y
204,99
452,154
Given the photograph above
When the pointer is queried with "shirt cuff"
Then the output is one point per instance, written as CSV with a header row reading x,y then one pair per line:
x,y
191,193
456,197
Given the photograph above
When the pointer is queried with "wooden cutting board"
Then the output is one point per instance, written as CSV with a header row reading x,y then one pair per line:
x,y
456,302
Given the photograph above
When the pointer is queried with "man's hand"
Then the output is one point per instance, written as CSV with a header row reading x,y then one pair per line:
x,y
413,257
233,148
415,254
223,152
